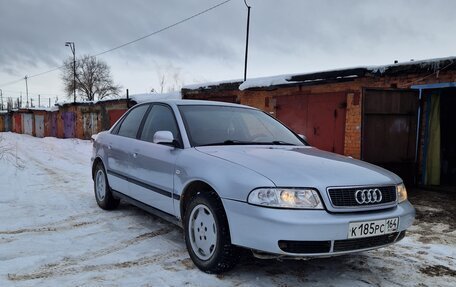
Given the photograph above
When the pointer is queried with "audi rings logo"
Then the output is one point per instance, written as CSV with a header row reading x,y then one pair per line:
x,y
366,196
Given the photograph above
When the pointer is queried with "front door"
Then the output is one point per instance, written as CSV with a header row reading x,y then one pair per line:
x,y
153,164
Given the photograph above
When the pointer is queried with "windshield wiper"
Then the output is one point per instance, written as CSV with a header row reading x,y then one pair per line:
x,y
237,142
281,143
230,142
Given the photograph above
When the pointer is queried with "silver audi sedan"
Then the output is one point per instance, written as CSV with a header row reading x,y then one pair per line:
x,y
237,179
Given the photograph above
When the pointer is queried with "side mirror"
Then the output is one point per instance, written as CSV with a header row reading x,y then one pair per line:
x,y
303,137
163,137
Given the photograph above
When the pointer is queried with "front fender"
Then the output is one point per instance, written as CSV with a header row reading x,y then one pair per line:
x,y
229,180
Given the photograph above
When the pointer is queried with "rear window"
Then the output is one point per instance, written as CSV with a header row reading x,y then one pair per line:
x,y
130,125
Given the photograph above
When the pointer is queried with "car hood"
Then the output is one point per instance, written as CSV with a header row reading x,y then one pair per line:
x,y
291,166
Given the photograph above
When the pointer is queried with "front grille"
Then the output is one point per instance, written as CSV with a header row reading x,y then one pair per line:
x,y
345,197
367,242
305,246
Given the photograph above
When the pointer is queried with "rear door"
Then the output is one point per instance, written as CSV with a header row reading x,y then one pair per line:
x,y
153,165
119,149
389,130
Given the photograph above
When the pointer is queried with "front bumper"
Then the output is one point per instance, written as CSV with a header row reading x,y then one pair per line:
x,y
263,229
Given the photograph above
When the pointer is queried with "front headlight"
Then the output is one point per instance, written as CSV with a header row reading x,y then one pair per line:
x,y
401,193
286,198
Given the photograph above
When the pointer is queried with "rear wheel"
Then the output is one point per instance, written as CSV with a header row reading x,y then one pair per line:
x,y
207,234
103,194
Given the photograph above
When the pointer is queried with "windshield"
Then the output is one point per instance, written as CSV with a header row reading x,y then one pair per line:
x,y
222,125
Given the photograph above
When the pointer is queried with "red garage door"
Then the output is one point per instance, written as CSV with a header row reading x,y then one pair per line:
x,y
17,123
114,115
320,117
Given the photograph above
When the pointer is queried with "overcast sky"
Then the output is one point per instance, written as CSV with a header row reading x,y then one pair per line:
x,y
287,36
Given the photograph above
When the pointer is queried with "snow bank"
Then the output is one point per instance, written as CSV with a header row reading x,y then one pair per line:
x,y
210,84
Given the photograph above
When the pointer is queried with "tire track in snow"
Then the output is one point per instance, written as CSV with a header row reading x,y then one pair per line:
x,y
57,177
53,268
96,268
61,225
49,228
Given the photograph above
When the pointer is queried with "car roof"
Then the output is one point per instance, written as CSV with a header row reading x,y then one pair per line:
x,y
199,103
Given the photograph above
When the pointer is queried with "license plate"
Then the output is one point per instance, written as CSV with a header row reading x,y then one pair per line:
x,y
372,228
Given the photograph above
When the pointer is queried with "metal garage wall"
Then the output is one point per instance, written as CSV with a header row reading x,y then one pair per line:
x,y
320,117
389,130
53,124
90,124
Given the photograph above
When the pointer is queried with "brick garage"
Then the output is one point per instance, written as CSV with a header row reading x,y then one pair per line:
x,y
82,119
383,89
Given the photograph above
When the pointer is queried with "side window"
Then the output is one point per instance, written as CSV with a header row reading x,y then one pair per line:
x,y
160,118
130,125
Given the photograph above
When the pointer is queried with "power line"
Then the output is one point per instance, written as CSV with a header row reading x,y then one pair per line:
x,y
7,92
12,82
130,42
49,71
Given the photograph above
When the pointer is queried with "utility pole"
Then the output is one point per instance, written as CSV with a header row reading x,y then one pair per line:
x,y
26,91
246,40
73,50
1,98
39,101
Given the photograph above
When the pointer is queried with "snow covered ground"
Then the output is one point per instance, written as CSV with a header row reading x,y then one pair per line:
x,y
52,233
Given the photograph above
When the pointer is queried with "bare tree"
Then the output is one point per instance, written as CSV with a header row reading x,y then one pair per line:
x,y
93,79
7,154
169,78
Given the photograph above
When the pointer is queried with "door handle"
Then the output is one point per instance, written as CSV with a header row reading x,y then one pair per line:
x,y
109,146
135,155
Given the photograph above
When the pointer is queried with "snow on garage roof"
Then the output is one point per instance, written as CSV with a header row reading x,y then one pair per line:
x,y
430,65
141,98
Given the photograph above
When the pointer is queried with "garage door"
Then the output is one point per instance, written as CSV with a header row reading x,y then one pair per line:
x,y
27,120
389,130
320,117
39,126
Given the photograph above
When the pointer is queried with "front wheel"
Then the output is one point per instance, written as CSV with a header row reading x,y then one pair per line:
x,y
207,234
103,194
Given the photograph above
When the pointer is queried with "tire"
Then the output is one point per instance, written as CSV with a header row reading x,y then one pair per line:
x,y
207,234
103,194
